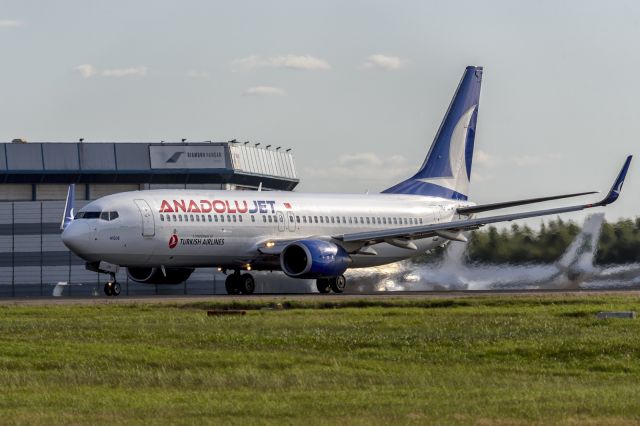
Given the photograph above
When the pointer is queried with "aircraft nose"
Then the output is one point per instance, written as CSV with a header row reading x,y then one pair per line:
x,y
76,237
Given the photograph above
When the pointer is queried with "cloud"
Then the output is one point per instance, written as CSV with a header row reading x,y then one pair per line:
x,y
484,159
385,62
10,23
88,71
197,74
264,91
295,62
124,72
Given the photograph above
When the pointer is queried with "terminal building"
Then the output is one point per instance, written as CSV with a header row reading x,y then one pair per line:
x,y
34,179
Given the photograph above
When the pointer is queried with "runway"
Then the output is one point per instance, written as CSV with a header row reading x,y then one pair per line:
x,y
275,298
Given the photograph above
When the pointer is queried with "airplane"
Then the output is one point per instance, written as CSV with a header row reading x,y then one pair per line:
x,y
161,236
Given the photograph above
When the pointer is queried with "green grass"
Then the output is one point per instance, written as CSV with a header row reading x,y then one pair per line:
x,y
486,360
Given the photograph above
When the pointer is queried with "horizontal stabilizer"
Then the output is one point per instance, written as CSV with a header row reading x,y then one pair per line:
x,y
507,204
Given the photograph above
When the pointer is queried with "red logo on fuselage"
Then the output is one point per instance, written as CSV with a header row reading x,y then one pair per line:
x,y
219,206
173,241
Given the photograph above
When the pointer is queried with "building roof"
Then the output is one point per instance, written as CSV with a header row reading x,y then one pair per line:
x,y
127,162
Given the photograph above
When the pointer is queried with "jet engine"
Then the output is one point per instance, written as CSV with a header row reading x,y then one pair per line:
x,y
155,275
314,259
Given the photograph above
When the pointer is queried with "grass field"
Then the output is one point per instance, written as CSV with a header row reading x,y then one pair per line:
x,y
481,360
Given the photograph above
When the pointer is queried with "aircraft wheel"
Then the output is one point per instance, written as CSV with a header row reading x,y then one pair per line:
x,y
338,284
323,285
115,289
108,288
247,285
231,284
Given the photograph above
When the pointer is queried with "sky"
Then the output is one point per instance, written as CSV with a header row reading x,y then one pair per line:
x,y
357,89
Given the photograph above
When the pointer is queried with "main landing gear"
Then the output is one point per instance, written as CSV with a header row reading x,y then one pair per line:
x,y
337,284
240,284
112,287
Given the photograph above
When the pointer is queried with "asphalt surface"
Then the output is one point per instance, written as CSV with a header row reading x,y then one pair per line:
x,y
103,300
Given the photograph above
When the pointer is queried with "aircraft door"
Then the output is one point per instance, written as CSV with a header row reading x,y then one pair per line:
x,y
281,226
291,221
148,223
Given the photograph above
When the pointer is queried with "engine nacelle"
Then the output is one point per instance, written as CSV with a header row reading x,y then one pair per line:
x,y
155,275
314,259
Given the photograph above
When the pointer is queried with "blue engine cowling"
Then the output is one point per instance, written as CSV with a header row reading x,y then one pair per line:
x,y
314,259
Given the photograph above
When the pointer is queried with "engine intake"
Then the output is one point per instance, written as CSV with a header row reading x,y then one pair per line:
x,y
155,275
314,259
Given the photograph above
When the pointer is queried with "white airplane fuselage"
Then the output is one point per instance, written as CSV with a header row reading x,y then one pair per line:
x,y
200,228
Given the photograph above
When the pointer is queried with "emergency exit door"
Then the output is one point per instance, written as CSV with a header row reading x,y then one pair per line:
x,y
148,223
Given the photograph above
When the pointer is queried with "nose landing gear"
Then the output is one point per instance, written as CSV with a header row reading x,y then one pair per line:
x,y
240,284
112,287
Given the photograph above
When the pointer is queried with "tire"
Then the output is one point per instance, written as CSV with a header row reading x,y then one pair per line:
x,y
338,284
246,284
108,289
231,284
115,289
323,285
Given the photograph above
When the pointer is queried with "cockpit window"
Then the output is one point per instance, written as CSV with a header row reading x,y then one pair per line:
x,y
97,215
88,215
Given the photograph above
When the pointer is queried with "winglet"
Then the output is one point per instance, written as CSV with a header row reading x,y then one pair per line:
x,y
69,205
614,192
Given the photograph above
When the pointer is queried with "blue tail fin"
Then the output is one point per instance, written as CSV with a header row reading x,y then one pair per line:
x,y
446,171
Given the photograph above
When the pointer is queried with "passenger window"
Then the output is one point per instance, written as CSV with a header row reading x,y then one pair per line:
x,y
161,218
304,219
384,220
333,219
420,221
253,218
368,221
338,219
197,218
215,217
228,218
264,218
321,219
168,218
270,219
234,217
210,218
221,218
350,219
298,219
379,221
405,221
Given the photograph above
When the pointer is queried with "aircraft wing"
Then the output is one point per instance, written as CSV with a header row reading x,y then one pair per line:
x,y
402,236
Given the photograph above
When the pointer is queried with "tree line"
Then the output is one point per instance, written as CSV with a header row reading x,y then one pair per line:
x,y
619,243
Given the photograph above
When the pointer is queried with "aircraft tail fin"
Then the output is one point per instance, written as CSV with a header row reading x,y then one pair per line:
x,y
446,171
580,255
69,207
